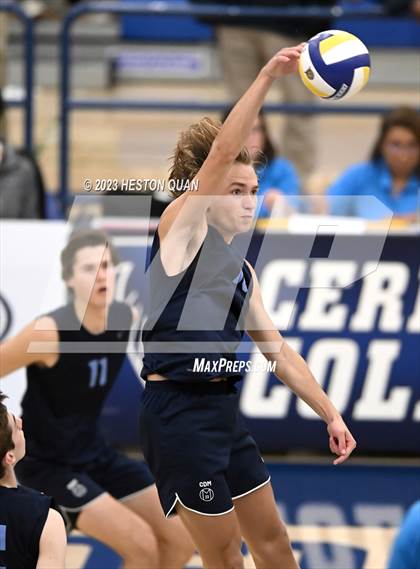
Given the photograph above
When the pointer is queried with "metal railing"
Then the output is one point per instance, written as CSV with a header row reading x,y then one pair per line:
x,y
69,103
27,101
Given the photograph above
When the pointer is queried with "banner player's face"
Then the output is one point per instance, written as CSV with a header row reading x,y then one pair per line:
x,y
233,212
93,279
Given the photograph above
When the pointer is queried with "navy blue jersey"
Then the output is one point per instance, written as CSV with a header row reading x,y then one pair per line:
x,y
198,314
62,404
23,513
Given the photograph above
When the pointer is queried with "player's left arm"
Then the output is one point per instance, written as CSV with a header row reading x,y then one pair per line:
x,y
291,369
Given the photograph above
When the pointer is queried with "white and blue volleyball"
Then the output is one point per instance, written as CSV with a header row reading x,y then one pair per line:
x,y
334,65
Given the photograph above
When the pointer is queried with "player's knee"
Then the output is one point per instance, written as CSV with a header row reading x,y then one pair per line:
x,y
274,541
178,550
229,553
142,546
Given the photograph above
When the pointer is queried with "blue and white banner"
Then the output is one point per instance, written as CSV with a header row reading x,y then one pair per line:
x,y
350,304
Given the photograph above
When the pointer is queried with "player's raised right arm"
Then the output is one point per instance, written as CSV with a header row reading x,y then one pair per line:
x,y
16,352
186,215
237,127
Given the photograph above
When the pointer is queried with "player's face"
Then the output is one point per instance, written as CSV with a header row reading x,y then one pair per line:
x,y
93,279
233,212
15,424
255,142
400,151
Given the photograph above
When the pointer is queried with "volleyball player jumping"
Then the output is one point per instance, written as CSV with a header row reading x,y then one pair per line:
x,y
203,294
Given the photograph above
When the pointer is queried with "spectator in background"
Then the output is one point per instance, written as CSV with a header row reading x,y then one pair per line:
x,y
392,174
405,552
277,177
245,44
21,185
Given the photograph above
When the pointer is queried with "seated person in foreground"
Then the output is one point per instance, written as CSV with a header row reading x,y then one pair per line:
x,y
32,534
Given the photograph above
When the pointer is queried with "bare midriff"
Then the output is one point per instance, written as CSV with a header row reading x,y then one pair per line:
x,y
158,377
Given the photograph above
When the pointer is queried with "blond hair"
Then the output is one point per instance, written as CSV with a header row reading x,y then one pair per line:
x,y
192,149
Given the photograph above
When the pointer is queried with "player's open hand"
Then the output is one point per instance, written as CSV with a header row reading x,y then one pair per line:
x,y
342,442
284,62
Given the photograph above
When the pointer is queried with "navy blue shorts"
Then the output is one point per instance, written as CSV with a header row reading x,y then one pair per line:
x,y
73,487
197,447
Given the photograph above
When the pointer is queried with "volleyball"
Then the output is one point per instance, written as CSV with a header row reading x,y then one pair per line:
x,y
334,65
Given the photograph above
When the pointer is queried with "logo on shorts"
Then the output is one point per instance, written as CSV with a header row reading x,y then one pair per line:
x,y
206,494
76,488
